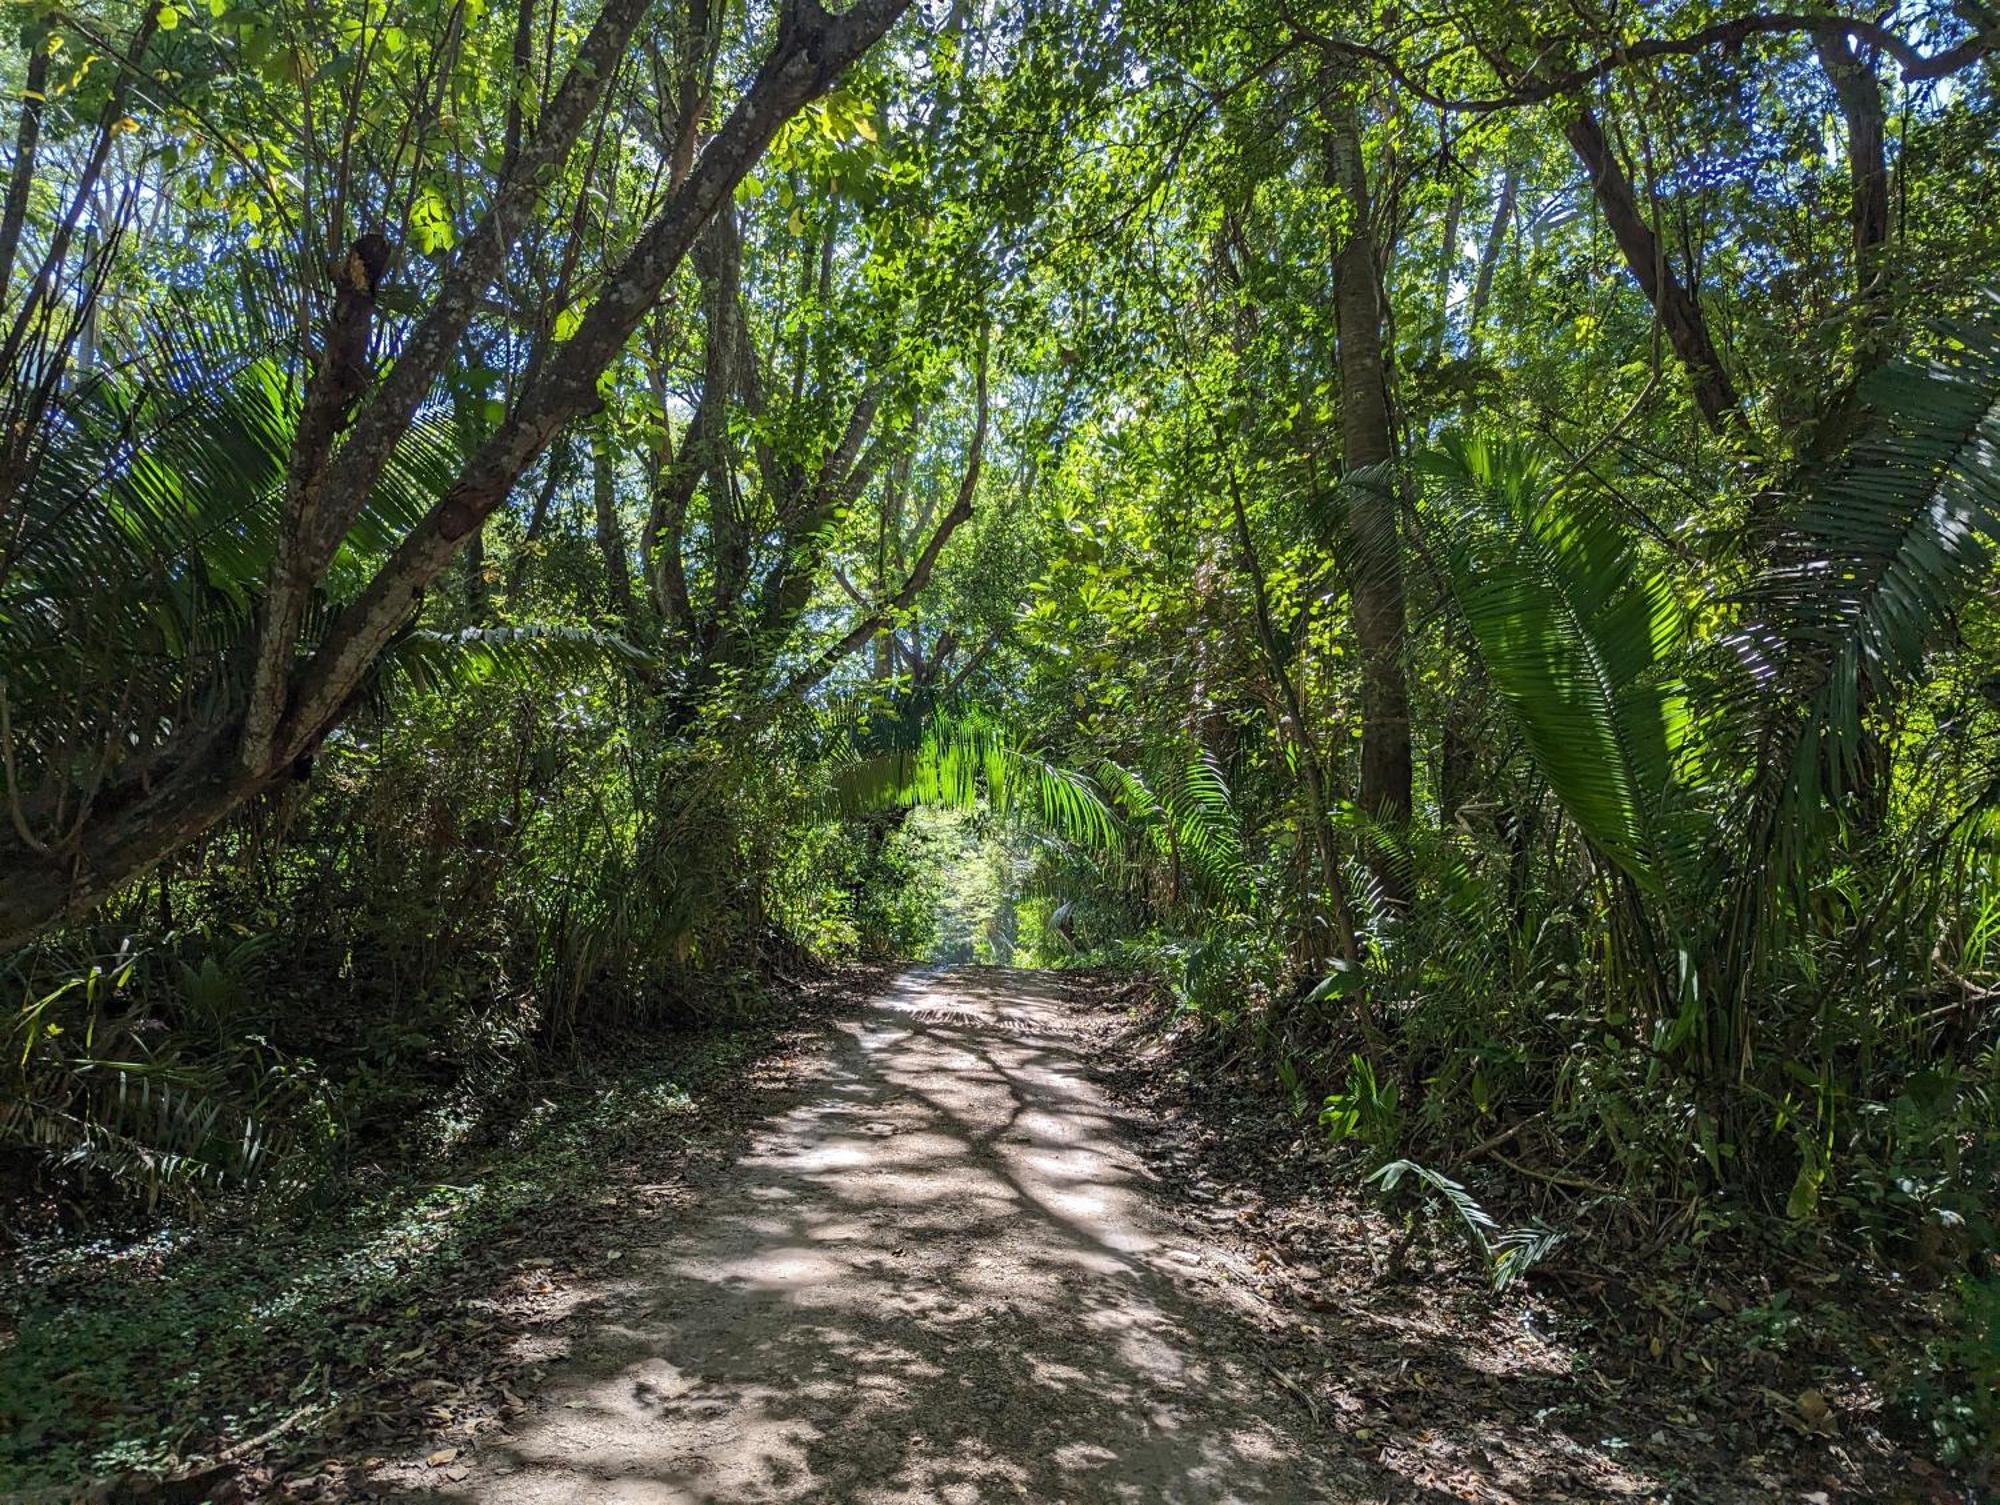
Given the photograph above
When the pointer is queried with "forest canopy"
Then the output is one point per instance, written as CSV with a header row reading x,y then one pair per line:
x,y
1458,545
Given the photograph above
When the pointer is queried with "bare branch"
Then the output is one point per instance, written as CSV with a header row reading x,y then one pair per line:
x,y
920,572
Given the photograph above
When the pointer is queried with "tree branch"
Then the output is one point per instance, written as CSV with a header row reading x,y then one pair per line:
x,y
1536,87
920,572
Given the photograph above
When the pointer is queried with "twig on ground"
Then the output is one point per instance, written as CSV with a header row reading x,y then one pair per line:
x,y
1505,1136
1311,1405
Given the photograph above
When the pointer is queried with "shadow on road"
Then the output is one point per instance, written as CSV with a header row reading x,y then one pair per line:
x,y
937,1278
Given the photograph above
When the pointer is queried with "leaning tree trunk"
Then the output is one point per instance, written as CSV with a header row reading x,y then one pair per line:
x,y
1374,527
1674,304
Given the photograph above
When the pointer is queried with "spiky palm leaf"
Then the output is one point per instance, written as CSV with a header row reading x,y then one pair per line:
x,y
1204,815
1867,576
429,661
1185,818
959,762
1578,636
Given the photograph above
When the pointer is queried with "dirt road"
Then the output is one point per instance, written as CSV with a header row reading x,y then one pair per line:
x,y
940,1276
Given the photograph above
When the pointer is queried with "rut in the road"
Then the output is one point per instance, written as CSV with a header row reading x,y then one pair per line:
x,y
938,1278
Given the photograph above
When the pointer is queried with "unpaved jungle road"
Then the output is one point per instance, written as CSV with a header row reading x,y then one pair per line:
x,y
941,1276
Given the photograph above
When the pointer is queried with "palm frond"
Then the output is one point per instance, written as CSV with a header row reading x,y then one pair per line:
x,y
1205,823
1577,634
1867,576
959,762
428,661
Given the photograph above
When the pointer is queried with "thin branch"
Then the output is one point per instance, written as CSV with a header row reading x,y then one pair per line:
x,y
1729,35
920,572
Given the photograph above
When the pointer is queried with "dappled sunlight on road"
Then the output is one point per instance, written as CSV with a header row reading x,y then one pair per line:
x,y
936,1278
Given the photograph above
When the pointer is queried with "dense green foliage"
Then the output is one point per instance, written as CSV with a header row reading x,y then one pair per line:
x,y
1462,545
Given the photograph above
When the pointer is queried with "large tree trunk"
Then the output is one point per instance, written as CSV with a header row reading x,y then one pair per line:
x,y
1374,527
124,839
1676,307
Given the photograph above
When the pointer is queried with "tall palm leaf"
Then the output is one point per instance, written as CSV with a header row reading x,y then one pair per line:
x,y
957,762
425,660
1578,636
1866,578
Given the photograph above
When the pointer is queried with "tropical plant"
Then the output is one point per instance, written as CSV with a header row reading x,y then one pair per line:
x,y
1590,648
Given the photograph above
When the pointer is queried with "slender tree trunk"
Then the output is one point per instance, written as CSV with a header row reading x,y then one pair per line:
x,y
718,261
1455,770
538,518
478,598
610,534
27,140
1374,527
517,85
83,355
1293,726
1677,308
1447,266
1489,255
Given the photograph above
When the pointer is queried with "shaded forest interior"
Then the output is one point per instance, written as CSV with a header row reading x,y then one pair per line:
x,y
1441,564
